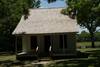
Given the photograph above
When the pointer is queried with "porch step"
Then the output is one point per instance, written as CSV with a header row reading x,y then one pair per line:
x,y
45,59
26,57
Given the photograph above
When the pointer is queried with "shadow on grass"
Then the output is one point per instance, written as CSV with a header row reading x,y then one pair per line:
x,y
93,60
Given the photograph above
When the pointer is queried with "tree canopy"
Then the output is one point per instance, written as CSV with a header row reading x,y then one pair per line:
x,y
10,14
87,13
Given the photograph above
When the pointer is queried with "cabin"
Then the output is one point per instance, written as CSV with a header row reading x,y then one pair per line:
x,y
47,32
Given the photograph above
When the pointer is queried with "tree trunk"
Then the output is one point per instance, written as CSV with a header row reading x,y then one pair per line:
x,y
92,40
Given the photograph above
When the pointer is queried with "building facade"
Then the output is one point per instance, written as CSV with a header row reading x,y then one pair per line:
x,y
47,32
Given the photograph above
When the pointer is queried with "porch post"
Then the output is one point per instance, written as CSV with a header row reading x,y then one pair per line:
x,y
55,44
26,43
72,43
16,45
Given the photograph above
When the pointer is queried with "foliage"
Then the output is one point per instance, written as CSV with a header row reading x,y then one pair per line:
x,y
85,36
51,1
87,13
36,3
10,14
64,11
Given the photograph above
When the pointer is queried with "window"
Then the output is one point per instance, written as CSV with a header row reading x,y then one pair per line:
x,y
33,42
63,41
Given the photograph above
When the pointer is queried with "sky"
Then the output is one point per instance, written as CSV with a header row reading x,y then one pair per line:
x,y
55,4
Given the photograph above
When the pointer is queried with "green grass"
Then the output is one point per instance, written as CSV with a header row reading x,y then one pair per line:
x,y
88,49
93,59
82,44
7,57
87,44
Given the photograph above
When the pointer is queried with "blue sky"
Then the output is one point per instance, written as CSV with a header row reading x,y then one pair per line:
x,y
58,3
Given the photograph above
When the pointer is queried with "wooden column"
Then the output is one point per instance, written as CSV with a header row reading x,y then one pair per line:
x,y
26,43
55,44
16,45
71,43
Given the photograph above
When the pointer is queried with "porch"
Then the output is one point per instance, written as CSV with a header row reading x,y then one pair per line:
x,y
47,45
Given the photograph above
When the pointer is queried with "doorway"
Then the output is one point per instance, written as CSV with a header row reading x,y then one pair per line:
x,y
34,43
47,44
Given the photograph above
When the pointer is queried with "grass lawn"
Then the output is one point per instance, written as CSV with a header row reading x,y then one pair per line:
x,y
7,57
87,44
88,49
93,60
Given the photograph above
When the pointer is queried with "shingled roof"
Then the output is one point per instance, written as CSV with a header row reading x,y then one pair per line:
x,y
42,21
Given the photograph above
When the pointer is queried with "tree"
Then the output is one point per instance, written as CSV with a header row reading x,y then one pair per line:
x,y
10,14
51,1
87,13
83,36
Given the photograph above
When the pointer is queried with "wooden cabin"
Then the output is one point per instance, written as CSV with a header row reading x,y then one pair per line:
x,y
47,32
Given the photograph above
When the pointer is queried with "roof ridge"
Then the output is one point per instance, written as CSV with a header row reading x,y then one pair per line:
x,y
48,8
